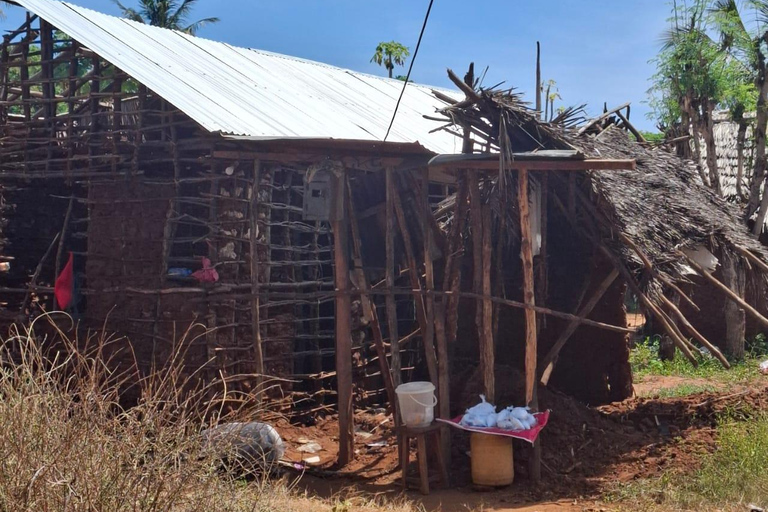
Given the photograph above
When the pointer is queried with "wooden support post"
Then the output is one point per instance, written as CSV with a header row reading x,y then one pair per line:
x,y
735,318
429,277
528,291
394,336
487,346
343,326
378,340
725,290
531,342
254,271
479,250
438,317
421,314
549,361
452,277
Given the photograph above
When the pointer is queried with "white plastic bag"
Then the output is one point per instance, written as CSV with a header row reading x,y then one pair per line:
x,y
480,415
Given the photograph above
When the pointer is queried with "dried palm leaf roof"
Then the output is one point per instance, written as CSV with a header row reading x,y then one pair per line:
x,y
655,210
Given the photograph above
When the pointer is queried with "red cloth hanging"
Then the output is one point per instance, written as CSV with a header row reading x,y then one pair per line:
x,y
64,289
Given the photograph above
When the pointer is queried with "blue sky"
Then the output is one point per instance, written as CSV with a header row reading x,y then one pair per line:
x,y
596,50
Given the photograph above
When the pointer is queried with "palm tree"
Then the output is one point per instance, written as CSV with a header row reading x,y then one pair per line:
x,y
171,14
390,54
751,48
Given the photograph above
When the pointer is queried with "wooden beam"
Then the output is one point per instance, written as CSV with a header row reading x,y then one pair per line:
x,y
528,291
601,117
727,291
492,164
390,278
752,258
343,327
550,359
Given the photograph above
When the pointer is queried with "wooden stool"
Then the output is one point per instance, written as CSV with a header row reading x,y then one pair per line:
x,y
432,435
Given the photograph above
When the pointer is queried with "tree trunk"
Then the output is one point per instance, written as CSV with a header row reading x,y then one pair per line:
x,y
690,123
708,133
735,317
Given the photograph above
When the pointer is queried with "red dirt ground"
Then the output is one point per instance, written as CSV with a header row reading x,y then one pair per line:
x,y
585,451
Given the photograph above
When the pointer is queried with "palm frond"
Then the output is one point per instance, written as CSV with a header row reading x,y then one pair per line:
x,y
194,27
129,13
181,12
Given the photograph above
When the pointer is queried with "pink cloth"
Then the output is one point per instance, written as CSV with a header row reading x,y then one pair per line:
x,y
207,274
529,435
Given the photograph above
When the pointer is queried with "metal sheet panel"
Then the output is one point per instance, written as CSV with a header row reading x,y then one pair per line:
x,y
253,93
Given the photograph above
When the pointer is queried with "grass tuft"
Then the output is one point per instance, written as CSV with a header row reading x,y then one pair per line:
x,y
68,445
645,361
728,479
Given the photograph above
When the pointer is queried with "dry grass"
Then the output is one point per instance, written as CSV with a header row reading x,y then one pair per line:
x,y
69,446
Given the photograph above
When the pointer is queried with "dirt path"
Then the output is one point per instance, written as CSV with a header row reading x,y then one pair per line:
x,y
654,384
585,452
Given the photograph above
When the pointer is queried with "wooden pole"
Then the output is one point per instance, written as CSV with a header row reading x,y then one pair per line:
x,y
421,314
528,291
343,326
378,340
526,245
394,336
429,277
484,339
550,359
752,258
255,302
727,291
538,80
487,347
452,278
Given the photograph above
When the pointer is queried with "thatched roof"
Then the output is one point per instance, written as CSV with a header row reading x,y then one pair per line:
x,y
662,205
657,209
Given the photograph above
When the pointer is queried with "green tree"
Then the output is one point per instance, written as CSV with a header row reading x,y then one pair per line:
x,y
171,14
390,54
749,48
693,78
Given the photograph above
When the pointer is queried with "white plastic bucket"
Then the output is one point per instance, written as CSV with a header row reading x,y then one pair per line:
x,y
417,403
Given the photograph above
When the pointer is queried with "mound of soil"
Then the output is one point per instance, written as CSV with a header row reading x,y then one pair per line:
x,y
585,450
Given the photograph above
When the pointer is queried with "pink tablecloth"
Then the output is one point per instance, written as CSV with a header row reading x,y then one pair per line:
x,y
529,435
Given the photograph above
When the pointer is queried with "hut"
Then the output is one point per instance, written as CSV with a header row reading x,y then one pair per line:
x,y
260,203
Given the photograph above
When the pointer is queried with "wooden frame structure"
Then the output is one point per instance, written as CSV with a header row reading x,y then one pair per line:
x,y
416,261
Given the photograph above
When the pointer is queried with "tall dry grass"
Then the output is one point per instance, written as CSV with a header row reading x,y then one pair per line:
x,y
68,445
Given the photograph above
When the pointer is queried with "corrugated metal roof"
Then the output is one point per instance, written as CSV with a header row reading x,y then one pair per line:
x,y
252,92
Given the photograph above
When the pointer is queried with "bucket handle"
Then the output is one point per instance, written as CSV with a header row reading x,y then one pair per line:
x,y
434,401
